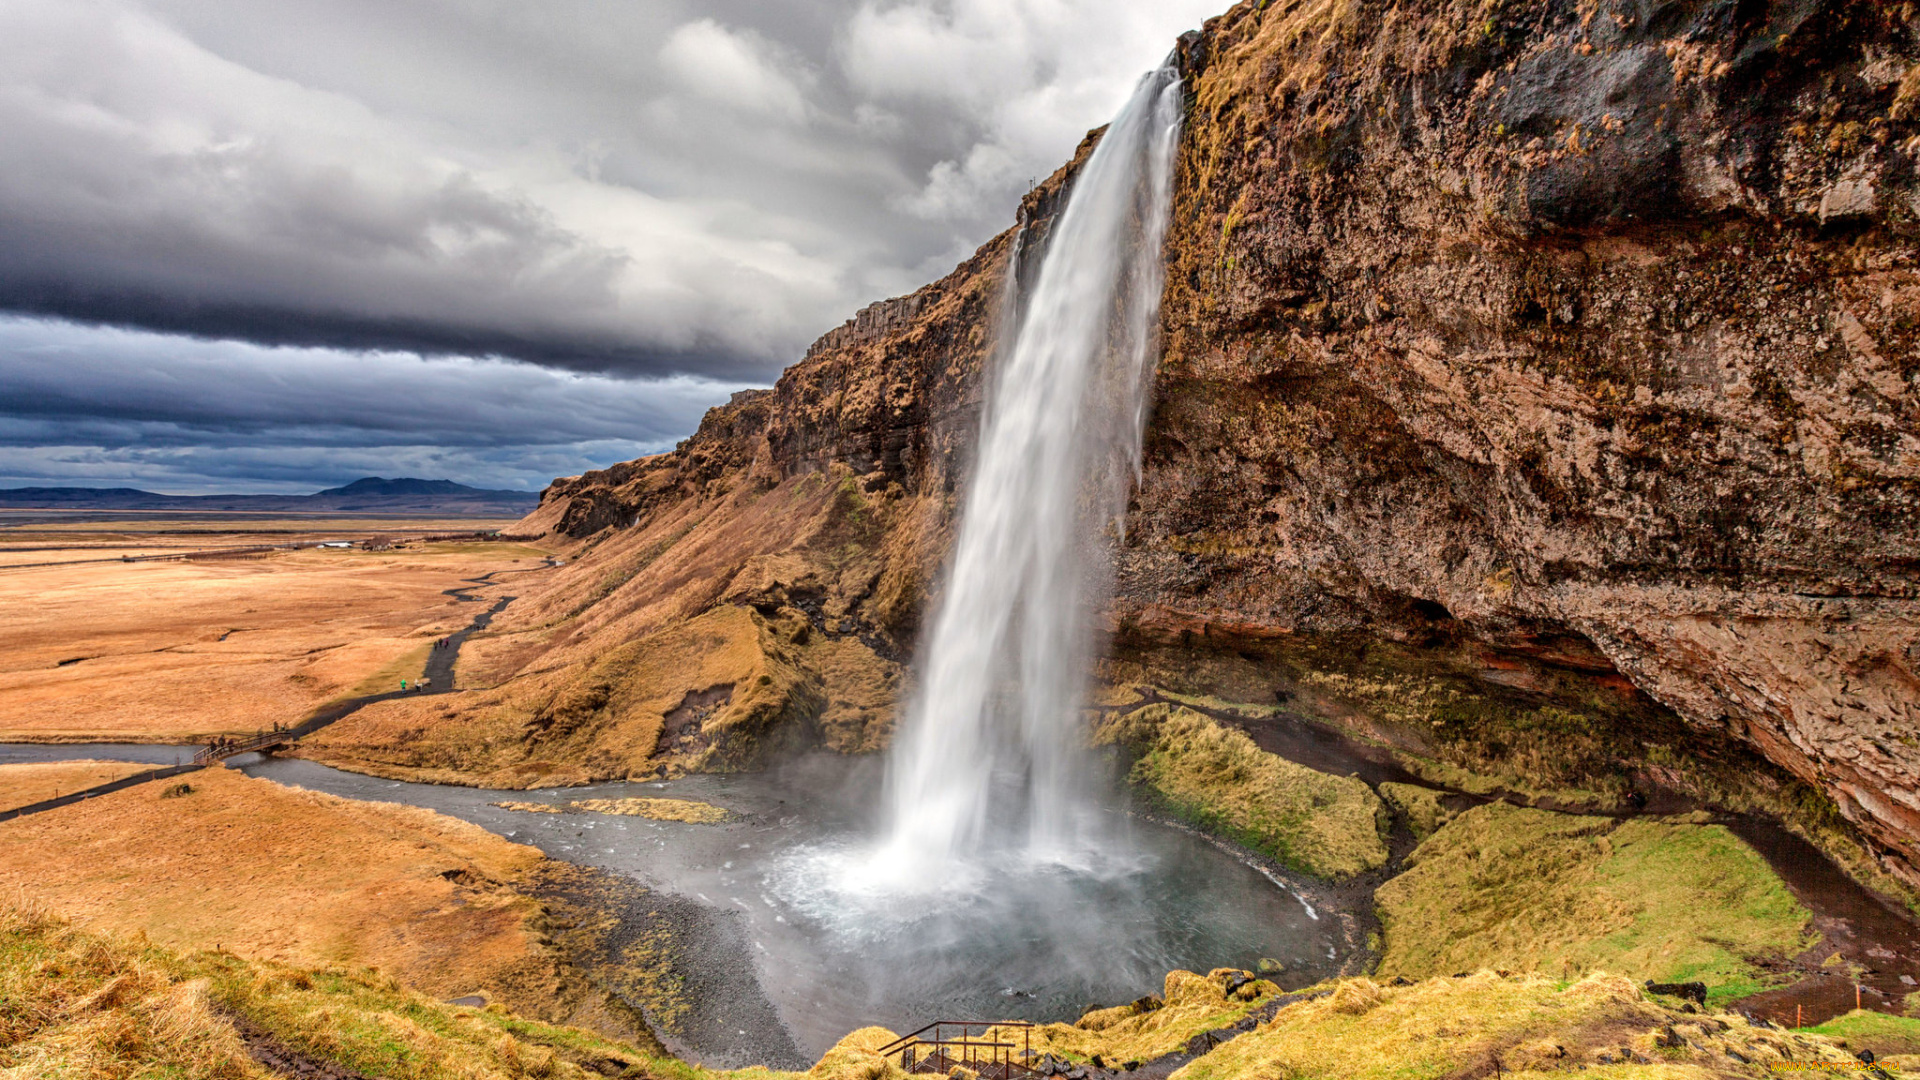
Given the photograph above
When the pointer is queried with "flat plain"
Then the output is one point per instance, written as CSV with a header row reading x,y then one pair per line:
x,y
178,651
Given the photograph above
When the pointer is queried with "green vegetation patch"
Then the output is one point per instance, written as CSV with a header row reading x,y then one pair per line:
x,y
1865,1030
1507,887
1327,826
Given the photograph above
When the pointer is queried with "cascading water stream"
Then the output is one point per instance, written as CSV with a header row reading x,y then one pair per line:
x,y
991,756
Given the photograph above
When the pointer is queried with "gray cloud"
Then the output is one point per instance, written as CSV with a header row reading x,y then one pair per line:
x,y
669,189
92,406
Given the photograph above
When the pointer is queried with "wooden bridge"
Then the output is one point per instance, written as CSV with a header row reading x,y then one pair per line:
x,y
262,742
943,1044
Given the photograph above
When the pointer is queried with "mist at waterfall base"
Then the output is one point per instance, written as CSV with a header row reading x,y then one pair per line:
x,y
1000,834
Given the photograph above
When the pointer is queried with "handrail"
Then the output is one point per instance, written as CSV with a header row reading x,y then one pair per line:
x,y
912,1035
207,755
991,1060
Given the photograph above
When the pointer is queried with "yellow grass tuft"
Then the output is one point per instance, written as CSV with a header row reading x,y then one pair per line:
x,y
1421,807
1486,1025
854,1058
80,1006
1192,1003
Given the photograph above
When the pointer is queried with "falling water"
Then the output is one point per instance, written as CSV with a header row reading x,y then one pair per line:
x,y
991,755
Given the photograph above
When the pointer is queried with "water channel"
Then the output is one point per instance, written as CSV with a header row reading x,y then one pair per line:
x,y
1025,943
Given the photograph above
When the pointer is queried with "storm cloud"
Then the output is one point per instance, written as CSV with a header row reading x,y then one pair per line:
x,y
187,416
658,191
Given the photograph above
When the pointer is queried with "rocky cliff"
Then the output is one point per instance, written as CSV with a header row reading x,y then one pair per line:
x,y
1540,399
1580,331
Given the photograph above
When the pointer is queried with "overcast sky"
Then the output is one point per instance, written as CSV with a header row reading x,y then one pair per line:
x,y
253,246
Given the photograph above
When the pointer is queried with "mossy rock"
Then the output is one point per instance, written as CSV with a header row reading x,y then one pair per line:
x,y
1326,826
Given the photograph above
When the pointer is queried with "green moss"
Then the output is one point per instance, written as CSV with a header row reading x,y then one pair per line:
x,y
1507,887
1325,826
1546,734
1878,1032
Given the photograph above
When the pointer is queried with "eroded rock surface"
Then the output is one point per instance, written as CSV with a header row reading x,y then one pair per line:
x,y
1583,330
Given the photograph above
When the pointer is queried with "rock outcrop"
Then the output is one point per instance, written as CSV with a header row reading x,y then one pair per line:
x,y
1585,331
1565,347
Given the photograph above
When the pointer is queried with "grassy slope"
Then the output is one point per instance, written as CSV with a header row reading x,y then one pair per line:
x,y
1326,826
1886,1036
80,1006
1529,890
1487,1025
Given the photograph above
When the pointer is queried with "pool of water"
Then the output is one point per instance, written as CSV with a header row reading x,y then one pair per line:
x,y
1021,941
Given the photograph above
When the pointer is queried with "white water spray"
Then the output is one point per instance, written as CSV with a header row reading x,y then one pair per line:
x,y
991,755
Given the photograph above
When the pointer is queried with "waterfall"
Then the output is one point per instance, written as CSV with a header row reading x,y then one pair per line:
x,y
991,755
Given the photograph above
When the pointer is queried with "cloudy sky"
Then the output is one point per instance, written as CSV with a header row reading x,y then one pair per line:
x,y
253,246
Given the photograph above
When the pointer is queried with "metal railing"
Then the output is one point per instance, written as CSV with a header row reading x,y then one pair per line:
x,y
226,748
936,1049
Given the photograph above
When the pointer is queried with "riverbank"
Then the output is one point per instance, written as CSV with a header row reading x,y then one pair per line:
x,y
226,861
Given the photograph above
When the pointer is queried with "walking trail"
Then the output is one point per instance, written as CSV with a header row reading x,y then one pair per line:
x,y
438,680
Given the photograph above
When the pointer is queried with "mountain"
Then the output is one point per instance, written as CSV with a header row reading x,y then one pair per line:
x,y
381,486
372,494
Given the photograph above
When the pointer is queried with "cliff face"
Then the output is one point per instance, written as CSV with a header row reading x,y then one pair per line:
x,y
1586,331
1539,360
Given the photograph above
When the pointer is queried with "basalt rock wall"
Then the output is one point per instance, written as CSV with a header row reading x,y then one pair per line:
x,y
1578,336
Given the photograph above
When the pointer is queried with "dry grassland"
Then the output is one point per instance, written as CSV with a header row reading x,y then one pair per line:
x,y
82,1006
175,652
31,782
288,875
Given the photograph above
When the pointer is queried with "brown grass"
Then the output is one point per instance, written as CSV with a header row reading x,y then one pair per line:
x,y
283,874
604,719
747,587
83,1006
131,652
30,782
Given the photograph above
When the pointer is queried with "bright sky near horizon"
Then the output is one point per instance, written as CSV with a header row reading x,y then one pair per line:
x,y
273,247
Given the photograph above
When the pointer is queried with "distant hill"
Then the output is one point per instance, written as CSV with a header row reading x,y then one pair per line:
x,y
371,494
